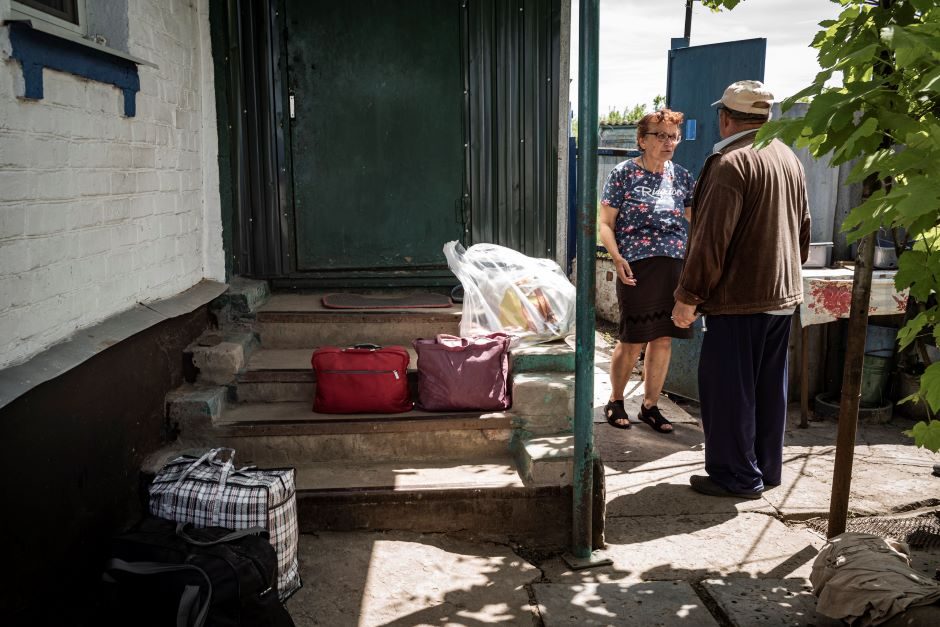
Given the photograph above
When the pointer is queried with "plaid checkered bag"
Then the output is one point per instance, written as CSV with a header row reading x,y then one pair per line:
x,y
209,492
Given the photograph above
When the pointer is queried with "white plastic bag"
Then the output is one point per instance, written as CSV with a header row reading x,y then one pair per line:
x,y
508,292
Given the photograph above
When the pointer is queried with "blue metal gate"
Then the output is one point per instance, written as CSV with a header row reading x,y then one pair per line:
x,y
697,77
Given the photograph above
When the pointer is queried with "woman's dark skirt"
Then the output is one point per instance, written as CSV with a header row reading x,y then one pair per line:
x,y
646,308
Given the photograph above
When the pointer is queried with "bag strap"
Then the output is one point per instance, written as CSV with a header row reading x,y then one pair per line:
x,y
188,599
224,472
231,537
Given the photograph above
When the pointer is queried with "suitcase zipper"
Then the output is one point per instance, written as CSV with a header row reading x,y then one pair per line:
x,y
394,372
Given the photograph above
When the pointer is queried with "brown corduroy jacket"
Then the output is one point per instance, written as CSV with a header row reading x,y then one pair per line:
x,y
750,231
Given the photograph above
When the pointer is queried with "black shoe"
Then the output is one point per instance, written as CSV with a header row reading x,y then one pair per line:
x,y
705,485
614,411
655,419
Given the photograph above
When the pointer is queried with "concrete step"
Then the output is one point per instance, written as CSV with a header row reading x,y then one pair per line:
x,y
480,497
547,460
292,434
284,374
483,496
219,355
301,321
238,305
543,402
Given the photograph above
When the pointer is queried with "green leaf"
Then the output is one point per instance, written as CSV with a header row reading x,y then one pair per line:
x,y
930,387
930,81
916,198
848,150
866,218
909,331
864,54
909,46
914,272
926,435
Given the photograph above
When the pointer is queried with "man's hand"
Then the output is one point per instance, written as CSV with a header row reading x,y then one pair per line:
x,y
683,315
624,271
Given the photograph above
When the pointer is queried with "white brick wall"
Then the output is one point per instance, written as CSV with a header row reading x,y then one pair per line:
x,y
98,211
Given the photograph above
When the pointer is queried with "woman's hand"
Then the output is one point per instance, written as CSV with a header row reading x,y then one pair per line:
x,y
624,271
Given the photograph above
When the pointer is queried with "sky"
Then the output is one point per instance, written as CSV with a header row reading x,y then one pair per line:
x,y
635,37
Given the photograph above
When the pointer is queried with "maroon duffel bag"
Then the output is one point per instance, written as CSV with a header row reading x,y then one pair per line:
x,y
463,373
363,379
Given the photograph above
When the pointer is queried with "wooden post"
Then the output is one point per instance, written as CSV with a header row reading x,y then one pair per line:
x,y
854,353
804,377
851,387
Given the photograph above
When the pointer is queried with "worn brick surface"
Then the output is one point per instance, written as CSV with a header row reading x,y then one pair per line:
x,y
98,211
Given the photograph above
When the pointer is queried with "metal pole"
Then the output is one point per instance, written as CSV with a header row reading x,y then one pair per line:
x,y
688,20
851,387
587,245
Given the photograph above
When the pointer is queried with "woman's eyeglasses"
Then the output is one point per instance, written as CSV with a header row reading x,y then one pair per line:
x,y
663,137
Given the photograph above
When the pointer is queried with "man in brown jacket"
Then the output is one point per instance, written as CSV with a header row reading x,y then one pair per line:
x,y
750,234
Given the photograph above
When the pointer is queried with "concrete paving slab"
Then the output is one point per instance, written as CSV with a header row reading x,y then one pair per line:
x,y
767,602
885,478
660,603
360,578
641,444
632,399
695,547
661,488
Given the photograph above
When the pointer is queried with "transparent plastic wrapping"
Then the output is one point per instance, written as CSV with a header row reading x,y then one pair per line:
x,y
507,292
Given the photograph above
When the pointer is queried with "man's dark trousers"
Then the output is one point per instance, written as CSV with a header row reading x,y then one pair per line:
x,y
742,380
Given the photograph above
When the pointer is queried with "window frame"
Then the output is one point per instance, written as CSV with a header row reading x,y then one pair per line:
x,y
25,9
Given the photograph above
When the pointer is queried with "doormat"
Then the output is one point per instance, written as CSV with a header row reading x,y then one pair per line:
x,y
365,301
920,532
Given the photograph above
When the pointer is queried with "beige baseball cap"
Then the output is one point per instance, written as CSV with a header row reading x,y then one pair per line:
x,y
747,97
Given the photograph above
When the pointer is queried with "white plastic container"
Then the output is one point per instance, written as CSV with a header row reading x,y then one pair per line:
x,y
885,257
819,253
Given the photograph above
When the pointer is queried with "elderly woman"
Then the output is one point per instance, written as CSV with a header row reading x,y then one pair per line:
x,y
644,212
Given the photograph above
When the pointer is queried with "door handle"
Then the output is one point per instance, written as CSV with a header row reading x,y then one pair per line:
x,y
290,105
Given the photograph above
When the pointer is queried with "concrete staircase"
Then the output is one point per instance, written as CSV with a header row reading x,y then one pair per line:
x,y
505,474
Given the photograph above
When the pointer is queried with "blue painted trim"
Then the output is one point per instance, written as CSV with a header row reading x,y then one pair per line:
x,y
36,50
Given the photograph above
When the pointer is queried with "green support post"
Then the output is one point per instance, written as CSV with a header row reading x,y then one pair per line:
x,y
581,554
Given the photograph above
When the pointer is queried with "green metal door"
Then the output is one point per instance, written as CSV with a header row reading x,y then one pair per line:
x,y
376,141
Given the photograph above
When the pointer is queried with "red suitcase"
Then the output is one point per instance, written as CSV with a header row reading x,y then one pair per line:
x,y
363,379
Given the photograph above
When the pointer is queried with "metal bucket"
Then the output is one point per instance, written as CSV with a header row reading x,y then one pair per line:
x,y
876,368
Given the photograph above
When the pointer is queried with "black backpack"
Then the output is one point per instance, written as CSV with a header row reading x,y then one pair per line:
x,y
163,574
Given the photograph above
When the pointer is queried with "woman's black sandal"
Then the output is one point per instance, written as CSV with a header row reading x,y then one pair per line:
x,y
614,411
654,418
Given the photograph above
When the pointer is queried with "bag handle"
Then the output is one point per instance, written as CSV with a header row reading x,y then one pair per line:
x,y
188,599
207,458
224,472
452,342
371,347
231,537
455,343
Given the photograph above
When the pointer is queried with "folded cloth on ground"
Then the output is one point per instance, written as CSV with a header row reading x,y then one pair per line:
x,y
865,579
